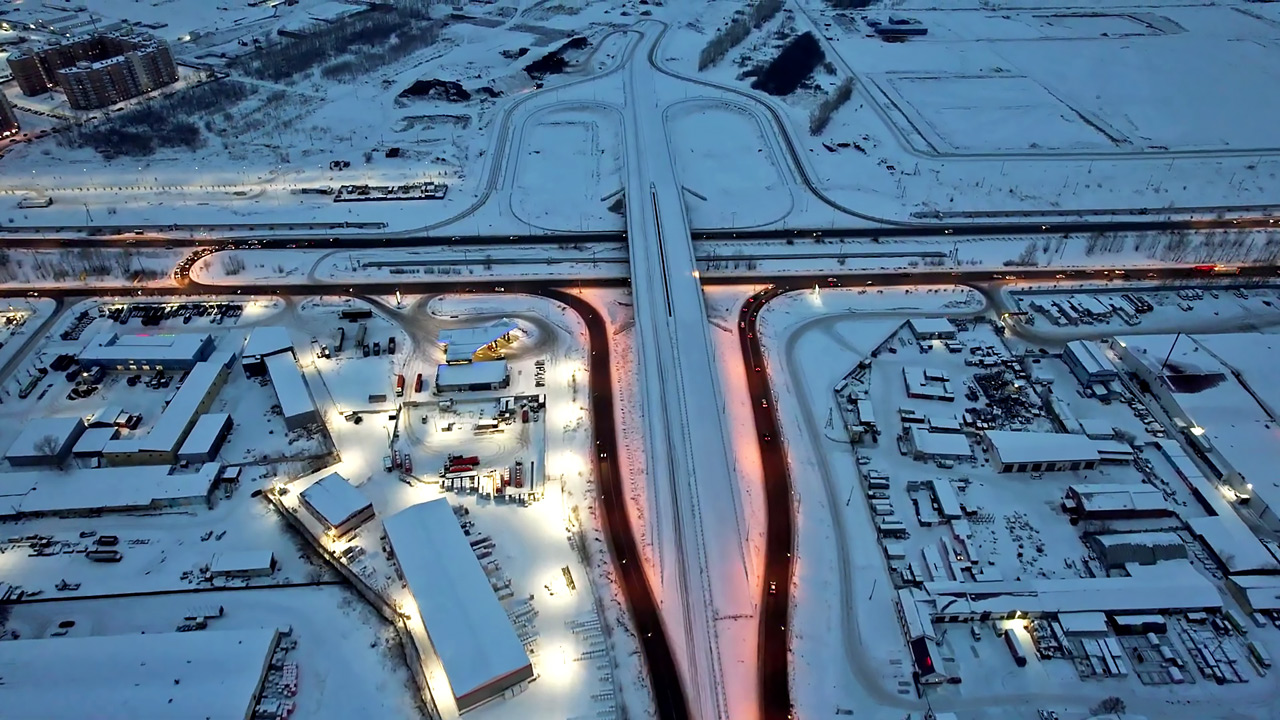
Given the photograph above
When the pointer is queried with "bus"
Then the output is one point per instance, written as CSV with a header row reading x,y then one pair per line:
x,y
1216,269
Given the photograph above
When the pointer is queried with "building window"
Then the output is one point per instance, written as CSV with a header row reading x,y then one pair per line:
x,y
1037,467
1022,467
1075,466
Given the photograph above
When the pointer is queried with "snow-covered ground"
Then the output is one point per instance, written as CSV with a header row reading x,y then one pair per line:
x,y
452,263
812,340
532,540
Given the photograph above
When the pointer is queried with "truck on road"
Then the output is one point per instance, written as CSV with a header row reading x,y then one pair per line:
x,y
400,385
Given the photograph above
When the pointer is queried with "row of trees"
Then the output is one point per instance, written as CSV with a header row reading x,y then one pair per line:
x,y
736,31
166,122
821,115
67,264
389,34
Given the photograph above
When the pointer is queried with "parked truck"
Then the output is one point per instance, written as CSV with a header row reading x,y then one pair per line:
x,y
104,555
1014,643
417,383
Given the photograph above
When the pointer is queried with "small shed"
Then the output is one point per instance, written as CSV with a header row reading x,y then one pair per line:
x,y
243,563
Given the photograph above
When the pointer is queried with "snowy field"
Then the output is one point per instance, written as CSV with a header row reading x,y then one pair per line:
x,y
1038,105
569,157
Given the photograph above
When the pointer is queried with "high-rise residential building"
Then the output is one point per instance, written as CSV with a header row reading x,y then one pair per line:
x,y
8,119
96,70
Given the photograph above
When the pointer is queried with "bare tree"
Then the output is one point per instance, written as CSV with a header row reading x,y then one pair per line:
x,y
1109,706
48,446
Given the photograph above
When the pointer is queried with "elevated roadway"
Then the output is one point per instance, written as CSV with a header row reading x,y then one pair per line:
x,y
685,449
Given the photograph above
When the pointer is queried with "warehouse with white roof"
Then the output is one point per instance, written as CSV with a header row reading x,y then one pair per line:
x,y
113,489
146,352
457,608
296,404
337,505
212,675
1040,451
206,438
45,441
486,375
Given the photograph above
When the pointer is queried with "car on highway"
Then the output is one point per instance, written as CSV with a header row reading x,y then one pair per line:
x,y
773,588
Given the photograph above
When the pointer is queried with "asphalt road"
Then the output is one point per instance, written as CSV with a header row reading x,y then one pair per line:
x,y
772,645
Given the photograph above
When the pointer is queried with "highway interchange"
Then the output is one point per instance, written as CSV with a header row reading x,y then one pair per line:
x,y
677,643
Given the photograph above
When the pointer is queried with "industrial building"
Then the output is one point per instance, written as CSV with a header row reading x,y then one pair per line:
x,y
1088,363
462,345
93,442
1040,451
113,489
1137,548
1180,588
8,118
457,608
161,443
215,675
1106,501
1223,392
262,343
485,375
932,328
206,438
927,384
96,70
244,563
146,352
1255,593
337,505
928,445
45,441
297,407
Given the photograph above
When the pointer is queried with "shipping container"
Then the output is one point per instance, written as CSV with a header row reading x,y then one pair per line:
x,y
1260,654
1014,643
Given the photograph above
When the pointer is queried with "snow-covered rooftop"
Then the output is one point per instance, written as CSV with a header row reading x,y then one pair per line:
x,y
463,343
267,340
1040,447
94,440
1234,544
940,444
1262,591
1090,357
291,389
468,627
1114,497
34,430
204,433
114,488
929,326
335,499
241,560
1181,587
171,427
110,347
476,373
212,675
